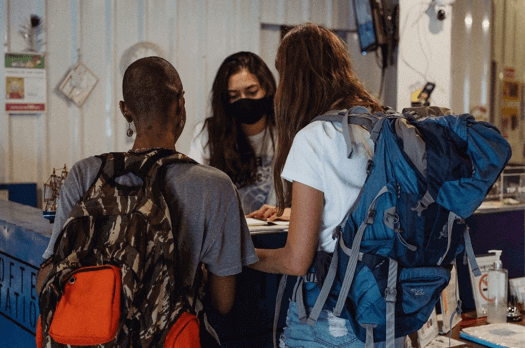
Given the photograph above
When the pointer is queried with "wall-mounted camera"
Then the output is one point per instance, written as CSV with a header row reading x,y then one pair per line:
x,y
441,13
437,12
440,9
437,9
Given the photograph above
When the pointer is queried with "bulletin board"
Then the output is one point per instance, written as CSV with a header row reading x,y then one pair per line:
x,y
25,83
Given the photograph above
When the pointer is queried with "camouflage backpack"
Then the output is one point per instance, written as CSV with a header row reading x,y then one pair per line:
x,y
114,280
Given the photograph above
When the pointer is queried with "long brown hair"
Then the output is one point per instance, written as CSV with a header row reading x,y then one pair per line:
x,y
230,148
315,76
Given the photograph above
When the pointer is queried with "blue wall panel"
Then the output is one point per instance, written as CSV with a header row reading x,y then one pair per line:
x,y
21,193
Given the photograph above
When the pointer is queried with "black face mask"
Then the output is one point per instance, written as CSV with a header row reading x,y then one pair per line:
x,y
249,111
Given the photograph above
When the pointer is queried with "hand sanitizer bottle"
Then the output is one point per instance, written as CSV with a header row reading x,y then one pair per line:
x,y
497,292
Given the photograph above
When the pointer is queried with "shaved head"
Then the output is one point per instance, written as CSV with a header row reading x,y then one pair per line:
x,y
150,86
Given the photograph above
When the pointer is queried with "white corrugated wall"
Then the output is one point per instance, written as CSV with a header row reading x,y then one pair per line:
x,y
195,35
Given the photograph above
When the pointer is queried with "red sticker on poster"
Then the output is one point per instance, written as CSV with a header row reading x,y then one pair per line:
x,y
483,286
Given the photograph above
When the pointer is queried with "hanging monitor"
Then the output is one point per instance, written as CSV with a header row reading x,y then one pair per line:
x,y
368,22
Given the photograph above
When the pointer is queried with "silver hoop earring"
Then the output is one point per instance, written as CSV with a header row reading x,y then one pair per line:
x,y
129,132
181,123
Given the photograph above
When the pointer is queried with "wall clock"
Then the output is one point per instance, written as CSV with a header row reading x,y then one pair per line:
x,y
139,50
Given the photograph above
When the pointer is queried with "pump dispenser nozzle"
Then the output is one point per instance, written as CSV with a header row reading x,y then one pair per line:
x,y
497,252
497,265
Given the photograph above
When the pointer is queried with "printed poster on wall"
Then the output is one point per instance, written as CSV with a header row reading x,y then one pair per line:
x,y
25,83
511,124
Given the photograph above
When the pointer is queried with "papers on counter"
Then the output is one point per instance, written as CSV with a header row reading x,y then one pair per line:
x,y
259,222
496,335
443,342
449,301
262,226
422,337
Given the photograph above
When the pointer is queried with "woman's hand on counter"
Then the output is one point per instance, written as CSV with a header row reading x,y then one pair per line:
x,y
269,213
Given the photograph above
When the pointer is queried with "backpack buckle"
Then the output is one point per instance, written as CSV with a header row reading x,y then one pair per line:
x,y
419,208
390,295
55,290
458,308
370,217
337,232
369,166
423,203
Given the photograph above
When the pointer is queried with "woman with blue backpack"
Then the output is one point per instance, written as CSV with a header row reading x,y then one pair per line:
x,y
319,183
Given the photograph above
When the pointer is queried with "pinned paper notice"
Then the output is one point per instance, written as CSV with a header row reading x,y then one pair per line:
x,y
480,284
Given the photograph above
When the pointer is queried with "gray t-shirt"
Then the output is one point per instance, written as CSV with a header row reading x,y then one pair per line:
x,y
205,209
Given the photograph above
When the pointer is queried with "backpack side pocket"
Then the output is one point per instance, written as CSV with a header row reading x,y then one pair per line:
x,y
420,289
184,333
89,310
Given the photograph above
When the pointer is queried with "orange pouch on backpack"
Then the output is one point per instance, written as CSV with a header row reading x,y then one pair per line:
x,y
39,338
89,311
184,333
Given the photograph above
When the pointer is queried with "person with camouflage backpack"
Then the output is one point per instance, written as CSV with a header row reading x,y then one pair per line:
x,y
133,230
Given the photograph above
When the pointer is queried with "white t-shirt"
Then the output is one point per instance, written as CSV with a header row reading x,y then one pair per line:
x,y
252,196
318,158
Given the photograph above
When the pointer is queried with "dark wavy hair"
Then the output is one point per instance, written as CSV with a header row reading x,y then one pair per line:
x,y
315,76
230,149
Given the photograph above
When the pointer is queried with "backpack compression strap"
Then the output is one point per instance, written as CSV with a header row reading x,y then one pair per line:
x,y
353,254
470,253
390,291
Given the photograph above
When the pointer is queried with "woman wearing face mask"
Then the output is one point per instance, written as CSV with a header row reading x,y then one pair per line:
x,y
239,136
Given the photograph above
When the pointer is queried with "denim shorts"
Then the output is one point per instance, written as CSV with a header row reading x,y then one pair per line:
x,y
328,331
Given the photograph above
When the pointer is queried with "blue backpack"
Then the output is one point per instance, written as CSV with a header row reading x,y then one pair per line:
x,y
396,246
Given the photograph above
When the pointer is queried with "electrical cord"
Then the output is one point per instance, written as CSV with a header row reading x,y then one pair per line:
x,y
402,56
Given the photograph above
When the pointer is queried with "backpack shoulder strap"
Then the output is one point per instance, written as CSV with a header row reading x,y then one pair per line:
x,y
154,174
357,115
116,164
424,111
161,158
